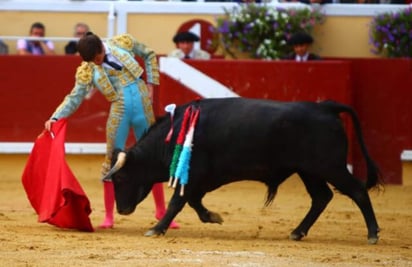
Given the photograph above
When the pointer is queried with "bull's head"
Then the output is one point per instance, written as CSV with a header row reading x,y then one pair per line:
x,y
128,177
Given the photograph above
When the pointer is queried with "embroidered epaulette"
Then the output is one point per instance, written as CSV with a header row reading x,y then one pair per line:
x,y
124,41
84,73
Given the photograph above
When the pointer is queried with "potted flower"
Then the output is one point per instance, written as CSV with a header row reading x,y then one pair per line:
x,y
391,34
262,31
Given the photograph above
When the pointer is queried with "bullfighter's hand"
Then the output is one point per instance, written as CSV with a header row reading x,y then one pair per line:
x,y
48,124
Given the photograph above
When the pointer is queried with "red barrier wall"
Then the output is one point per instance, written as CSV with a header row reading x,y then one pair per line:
x,y
279,80
382,95
32,87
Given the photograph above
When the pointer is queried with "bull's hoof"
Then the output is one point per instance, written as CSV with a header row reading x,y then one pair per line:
x,y
373,237
215,218
296,236
153,232
373,240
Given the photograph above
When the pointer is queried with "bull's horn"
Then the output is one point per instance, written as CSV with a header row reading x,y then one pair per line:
x,y
121,159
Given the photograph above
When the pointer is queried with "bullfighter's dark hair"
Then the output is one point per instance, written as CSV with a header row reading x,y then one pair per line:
x,y
89,46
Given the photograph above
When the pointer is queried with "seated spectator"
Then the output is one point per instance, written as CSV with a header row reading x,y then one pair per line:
x,y
4,48
185,47
35,47
301,42
80,30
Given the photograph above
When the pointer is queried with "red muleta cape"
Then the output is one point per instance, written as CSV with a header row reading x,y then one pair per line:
x,y
50,185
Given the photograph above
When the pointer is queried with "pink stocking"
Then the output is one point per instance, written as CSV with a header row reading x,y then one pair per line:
x,y
108,204
159,199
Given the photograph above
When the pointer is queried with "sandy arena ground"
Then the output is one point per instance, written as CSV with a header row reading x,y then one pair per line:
x,y
251,235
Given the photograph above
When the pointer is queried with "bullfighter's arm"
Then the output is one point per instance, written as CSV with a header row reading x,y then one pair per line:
x,y
73,100
129,43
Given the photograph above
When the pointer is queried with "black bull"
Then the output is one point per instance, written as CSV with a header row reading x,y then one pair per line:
x,y
244,139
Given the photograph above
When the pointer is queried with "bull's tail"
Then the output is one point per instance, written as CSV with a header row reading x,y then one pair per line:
x,y
374,177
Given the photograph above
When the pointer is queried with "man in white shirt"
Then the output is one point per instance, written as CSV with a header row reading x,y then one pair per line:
x,y
185,47
301,42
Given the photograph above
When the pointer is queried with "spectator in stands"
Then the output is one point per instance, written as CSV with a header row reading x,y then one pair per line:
x,y
35,47
111,67
185,47
4,48
80,30
301,42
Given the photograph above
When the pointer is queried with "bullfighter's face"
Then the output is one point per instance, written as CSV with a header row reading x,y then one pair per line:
x,y
99,58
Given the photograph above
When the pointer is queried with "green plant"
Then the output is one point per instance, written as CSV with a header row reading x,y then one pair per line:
x,y
391,33
261,30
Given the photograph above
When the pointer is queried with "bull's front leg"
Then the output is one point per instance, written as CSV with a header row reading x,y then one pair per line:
x,y
176,204
204,214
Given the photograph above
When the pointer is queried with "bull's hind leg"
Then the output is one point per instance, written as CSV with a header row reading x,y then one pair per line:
x,y
321,195
347,184
204,214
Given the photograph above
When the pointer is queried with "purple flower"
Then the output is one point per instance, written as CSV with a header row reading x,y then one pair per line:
x,y
224,28
239,28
